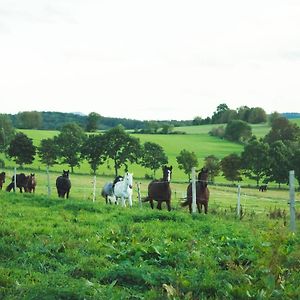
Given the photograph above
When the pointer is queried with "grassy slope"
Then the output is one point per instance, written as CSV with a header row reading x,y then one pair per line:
x,y
61,249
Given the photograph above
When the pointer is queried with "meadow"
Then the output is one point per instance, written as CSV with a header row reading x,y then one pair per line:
x,y
77,248
52,248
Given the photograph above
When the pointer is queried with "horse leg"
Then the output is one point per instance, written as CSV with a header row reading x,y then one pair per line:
x,y
190,207
151,203
130,200
199,207
169,205
205,208
159,205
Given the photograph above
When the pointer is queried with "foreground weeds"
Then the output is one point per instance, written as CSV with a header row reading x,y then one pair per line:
x,y
64,249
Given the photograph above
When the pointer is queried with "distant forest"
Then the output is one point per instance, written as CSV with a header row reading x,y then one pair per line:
x,y
56,120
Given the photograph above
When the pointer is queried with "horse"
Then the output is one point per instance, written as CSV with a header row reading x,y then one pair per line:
x,y
63,185
2,179
107,191
31,183
123,189
159,190
21,183
263,188
202,192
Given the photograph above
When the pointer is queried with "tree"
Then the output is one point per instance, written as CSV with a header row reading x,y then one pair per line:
x,y
92,122
284,130
238,131
7,132
30,119
295,162
255,159
257,115
122,148
186,161
213,164
280,158
93,150
153,157
48,151
231,167
70,140
21,149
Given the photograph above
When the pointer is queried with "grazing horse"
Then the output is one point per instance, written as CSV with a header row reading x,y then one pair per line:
x,y
107,191
159,190
63,185
21,183
202,192
263,188
123,189
2,179
31,183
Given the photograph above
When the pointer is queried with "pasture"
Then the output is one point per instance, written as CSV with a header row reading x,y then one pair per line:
x,y
74,248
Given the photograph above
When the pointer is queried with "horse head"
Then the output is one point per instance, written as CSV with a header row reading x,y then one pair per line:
x,y
65,174
129,179
167,173
203,177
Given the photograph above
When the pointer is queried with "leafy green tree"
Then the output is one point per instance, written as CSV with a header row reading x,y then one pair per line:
x,y
30,119
186,161
255,159
7,132
48,151
92,122
70,140
280,158
213,164
231,166
93,150
238,131
122,148
21,149
295,162
284,130
257,115
153,156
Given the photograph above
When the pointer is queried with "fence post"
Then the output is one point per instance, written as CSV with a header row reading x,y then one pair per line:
x,y
94,188
238,211
139,194
48,182
292,200
15,179
194,190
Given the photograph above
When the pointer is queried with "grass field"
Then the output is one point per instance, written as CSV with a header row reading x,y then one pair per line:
x,y
77,249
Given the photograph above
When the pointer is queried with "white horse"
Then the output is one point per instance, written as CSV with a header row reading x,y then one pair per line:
x,y
123,189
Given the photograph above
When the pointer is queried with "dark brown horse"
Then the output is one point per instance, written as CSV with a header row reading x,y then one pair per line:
x,y
21,183
63,184
31,183
202,192
2,179
159,190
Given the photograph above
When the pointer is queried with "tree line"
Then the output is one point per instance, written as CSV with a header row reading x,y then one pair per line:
x,y
267,159
94,121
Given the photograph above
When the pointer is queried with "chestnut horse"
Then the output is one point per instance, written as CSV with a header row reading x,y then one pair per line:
x,y
202,192
2,179
31,183
159,190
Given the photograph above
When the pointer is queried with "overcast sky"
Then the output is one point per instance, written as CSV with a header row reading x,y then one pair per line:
x,y
158,59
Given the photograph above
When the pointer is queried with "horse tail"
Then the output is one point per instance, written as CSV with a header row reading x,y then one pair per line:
x,y
10,187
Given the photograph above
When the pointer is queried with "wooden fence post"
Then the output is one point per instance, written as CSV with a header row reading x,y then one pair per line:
x,y
139,194
292,200
238,210
94,188
194,206
15,179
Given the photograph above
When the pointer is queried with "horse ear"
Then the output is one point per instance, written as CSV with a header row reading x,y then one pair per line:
x,y
171,167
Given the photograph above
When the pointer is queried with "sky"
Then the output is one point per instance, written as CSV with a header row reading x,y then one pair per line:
x,y
149,60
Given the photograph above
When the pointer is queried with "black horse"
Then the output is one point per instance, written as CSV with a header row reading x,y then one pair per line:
x,y
21,183
202,192
159,190
63,185
2,179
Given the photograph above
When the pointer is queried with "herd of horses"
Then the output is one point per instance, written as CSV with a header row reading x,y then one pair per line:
x,y
121,188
